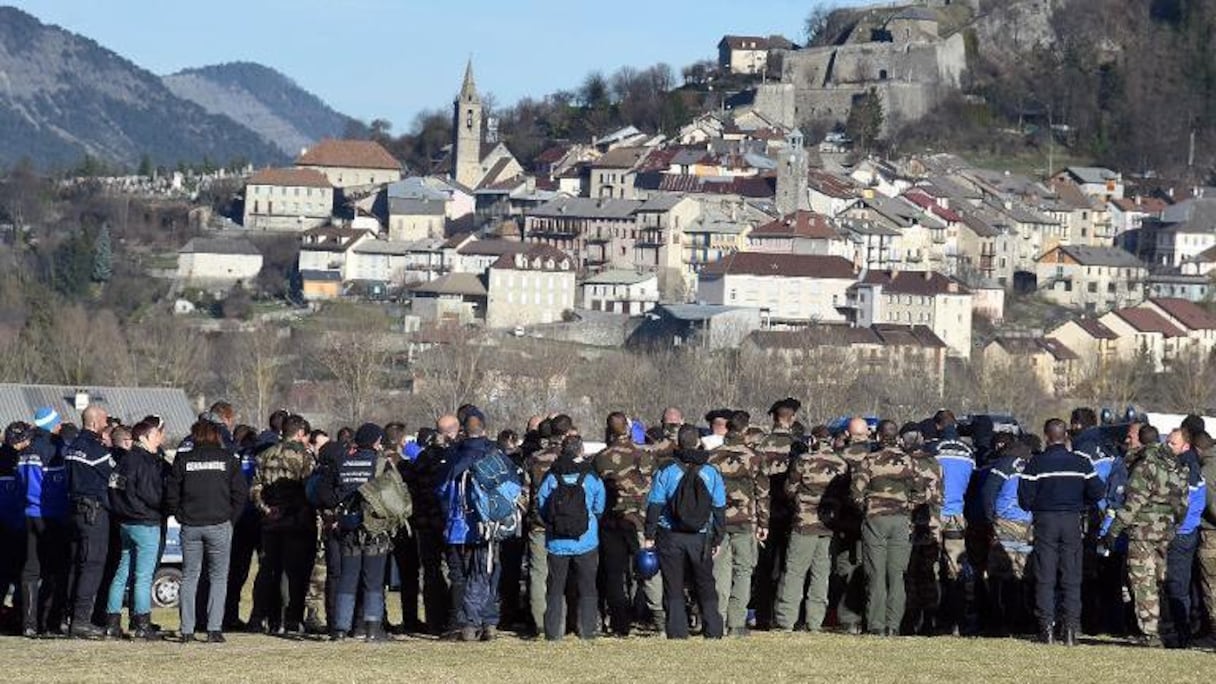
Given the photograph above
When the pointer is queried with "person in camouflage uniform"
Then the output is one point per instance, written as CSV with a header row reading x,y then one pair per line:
x,y
817,483
922,586
747,514
289,532
535,468
1156,499
626,471
1012,538
888,486
847,592
774,449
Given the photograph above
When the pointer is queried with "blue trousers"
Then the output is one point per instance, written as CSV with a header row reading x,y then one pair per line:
x,y
361,571
474,571
1057,566
1179,561
140,552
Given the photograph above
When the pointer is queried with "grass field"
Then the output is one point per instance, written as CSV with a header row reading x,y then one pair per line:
x,y
762,658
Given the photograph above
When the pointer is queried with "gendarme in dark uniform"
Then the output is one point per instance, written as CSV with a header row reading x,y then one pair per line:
x,y
1057,487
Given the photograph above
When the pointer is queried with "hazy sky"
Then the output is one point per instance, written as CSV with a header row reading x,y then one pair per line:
x,y
393,58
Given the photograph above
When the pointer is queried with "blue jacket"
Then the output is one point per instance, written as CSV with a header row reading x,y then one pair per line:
x,y
667,481
1090,444
44,480
89,466
12,498
593,490
1196,493
452,495
1059,481
957,462
1001,490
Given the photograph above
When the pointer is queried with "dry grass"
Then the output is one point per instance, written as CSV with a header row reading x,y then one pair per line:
x,y
763,658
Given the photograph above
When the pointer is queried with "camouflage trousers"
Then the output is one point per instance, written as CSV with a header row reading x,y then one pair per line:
x,y
733,568
1207,571
314,601
954,545
1010,549
1146,574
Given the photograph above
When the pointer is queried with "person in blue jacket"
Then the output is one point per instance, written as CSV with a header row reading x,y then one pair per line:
x,y
44,480
89,465
957,462
12,510
571,470
1103,574
1011,540
679,548
1180,554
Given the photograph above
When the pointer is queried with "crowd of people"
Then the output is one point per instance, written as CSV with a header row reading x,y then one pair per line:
x,y
859,526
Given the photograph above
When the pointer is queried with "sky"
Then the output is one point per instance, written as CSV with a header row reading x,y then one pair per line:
x,y
392,59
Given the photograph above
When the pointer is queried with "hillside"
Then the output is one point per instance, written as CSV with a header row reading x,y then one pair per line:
x,y
63,96
261,99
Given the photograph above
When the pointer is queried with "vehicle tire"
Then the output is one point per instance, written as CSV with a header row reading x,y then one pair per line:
x,y
166,587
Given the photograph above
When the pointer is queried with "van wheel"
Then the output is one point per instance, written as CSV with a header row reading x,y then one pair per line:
x,y
166,587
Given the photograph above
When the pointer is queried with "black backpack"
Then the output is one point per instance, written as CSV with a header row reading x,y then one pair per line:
x,y
691,506
566,508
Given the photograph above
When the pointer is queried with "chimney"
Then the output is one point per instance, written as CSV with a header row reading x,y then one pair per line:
x,y
82,400
928,275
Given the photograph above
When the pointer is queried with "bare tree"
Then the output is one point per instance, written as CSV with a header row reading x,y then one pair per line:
x,y
357,363
256,369
167,352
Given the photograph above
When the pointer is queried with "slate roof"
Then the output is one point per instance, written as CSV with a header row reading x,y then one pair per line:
x,y
233,246
1101,256
131,404
587,207
619,277
464,284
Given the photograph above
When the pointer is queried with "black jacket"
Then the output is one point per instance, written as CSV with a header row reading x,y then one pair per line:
x,y
89,465
137,489
1059,481
206,487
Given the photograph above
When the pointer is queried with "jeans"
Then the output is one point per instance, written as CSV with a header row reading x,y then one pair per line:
x,y
214,544
362,571
141,551
585,569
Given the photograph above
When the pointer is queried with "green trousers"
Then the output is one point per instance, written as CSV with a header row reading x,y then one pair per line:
x,y
808,566
733,568
886,547
538,577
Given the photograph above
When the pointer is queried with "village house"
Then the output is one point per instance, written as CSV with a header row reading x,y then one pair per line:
x,y
1093,279
327,248
1184,231
1143,331
598,232
612,175
803,232
789,289
532,287
455,297
287,200
350,164
1096,182
748,54
1090,339
1052,364
915,298
624,292
415,210
1196,322
218,262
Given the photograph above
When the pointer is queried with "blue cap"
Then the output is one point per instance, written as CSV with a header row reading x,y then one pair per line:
x,y
46,418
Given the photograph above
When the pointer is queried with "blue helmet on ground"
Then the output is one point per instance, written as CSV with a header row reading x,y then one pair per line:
x,y
647,563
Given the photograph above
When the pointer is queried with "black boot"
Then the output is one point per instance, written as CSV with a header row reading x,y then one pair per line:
x,y
84,629
29,609
113,626
1070,636
1047,634
143,628
375,631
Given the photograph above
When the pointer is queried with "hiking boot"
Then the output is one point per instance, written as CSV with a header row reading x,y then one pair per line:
x,y
143,628
489,632
83,629
216,638
189,638
451,635
1070,636
113,626
1148,641
1047,634
468,634
29,633
337,635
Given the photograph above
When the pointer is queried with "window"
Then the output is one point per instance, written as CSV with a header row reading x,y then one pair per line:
x,y
1092,288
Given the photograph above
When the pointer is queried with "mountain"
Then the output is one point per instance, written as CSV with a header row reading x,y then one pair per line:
x,y
261,99
63,96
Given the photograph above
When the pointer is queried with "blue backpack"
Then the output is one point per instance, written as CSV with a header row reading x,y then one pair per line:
x,y
483,503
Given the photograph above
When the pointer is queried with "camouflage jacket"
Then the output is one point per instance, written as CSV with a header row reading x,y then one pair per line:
x,y
887,483
927,515
848,521
535,468
278,483
817,485
626,471
747,484
775,450
1156,497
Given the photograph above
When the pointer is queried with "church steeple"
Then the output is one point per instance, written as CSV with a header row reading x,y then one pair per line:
x,y
468,90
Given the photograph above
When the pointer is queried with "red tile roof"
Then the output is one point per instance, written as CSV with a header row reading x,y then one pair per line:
x,y
1188,313
804,224
353,154
832,185
781,266
915,282
298,178
927,203
1148,321
1096,329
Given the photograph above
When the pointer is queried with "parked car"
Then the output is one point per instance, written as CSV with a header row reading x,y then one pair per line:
x,y
167,582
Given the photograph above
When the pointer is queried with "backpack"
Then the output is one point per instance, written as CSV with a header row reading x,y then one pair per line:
x,y
387,504
691,506
494,492
565,512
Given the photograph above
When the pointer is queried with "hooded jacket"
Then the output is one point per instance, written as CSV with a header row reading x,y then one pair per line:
x,y
594,496
667,482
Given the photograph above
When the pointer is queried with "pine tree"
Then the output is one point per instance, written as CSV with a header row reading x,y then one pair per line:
x,y
103,257
145,166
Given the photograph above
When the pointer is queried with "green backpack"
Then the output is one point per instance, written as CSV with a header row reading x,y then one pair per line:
x,y
387,505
